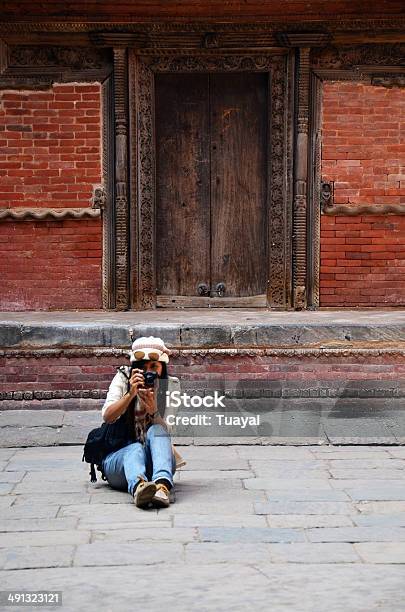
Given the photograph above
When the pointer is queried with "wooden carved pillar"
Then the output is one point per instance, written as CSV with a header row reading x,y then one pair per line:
x,y
121,178
300,183
301,227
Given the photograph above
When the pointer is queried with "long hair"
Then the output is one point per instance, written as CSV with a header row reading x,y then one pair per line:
x,y
161,395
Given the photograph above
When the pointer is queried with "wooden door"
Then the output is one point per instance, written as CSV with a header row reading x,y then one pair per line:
x,y
211,211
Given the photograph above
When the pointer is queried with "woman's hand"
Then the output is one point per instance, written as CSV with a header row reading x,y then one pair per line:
x,y
135,382
147,400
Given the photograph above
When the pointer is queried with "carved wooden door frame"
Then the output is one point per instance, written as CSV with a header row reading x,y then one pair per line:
x,y
142,68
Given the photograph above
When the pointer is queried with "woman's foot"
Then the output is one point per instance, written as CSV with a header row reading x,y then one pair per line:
x,y
161,499
144,493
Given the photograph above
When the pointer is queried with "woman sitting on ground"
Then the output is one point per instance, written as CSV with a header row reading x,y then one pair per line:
x,y
145,467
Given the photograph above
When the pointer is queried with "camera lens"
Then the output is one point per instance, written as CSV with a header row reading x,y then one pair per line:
x,y
149,378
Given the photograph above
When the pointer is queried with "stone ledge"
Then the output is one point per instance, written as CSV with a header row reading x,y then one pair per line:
x,y
201,329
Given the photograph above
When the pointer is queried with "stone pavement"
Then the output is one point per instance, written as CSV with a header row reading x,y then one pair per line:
x,y
292,528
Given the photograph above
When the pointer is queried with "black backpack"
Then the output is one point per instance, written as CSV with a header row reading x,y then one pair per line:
x,y
104,440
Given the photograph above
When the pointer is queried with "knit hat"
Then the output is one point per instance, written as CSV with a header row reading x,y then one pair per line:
x,y
149,347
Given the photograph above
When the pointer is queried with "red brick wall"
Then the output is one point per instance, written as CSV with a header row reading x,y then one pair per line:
x,y
50,156
34,375
363,152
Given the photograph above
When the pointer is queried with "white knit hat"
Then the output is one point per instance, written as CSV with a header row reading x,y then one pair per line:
x,y
149,347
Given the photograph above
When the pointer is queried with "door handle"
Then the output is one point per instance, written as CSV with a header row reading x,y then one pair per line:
x,y
220,289
203,289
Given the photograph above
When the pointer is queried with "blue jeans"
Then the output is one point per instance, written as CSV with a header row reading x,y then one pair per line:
x,y
124,467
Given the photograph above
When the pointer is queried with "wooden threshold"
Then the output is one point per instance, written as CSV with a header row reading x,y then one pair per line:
x,y
183,301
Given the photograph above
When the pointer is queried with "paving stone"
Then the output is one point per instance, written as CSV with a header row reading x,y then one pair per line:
x,y
386,493
344,452
313,553
40,465
27,436
209,454
49,452
280,484
11,476
306,495
214,485
395,451
37,524
73,434
49,478
124,553
289,469
214,505
368,483
31,418
152,520
383,520
29,487
6,453
37,511
21,557
250,534
3,464
381,552
6,487
218,520
196,476
44,538
88,418
51,499
380,507
269,453
153,533
6,501
367,474
215,464
302,440
215,552
103,513
360,464
309,520
110,496
304,507
356,534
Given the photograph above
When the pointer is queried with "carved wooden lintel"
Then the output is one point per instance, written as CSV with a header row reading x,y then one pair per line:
x,y
21,213
389,81
353,210
119,39
38,66
303,39
366,63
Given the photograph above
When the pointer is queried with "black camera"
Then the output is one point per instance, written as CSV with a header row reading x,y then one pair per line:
x,y
149,378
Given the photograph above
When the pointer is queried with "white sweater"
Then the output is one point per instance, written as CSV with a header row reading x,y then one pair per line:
x,y
119,386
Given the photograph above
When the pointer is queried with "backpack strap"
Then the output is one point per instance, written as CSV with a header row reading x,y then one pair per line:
x,y
93,477
122,370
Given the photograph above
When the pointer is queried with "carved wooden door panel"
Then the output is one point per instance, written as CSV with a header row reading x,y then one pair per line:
x,y
211,189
